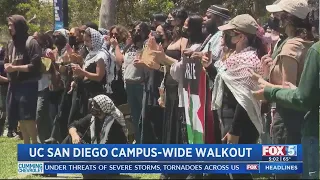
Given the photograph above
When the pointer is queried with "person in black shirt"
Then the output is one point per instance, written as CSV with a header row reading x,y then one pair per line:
x,y
104,125
23,64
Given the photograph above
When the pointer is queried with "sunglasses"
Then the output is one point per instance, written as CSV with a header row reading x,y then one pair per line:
x,y
113,34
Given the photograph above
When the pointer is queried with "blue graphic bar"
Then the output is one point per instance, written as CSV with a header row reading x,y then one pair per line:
x,y
159,152
171,168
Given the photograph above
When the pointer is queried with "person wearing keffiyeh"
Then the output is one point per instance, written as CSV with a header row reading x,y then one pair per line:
x,y
239,112
104,125
90,79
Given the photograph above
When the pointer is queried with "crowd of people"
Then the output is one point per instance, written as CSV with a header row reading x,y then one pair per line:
x,y
79,85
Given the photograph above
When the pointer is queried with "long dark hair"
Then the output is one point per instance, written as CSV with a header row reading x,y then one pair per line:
x,y
195,29
301,26
159,17
145,29
45,41
257,43
167,31
180,14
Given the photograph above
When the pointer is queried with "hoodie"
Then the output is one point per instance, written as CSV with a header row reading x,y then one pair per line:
x,y
19,54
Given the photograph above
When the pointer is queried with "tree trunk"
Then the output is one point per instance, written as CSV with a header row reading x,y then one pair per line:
x,y
108,10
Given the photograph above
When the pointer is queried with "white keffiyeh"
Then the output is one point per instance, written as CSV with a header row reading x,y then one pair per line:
x,y
234,72
95,52
113,114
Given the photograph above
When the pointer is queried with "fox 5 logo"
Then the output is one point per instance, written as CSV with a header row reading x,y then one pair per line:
x,y
274,150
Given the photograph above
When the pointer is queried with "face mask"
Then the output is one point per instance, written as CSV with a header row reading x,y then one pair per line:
x,y
72,41
136,38
228,42
59,41
275,24
159,38
153,28
184,33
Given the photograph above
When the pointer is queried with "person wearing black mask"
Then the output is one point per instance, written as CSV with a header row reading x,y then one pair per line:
x,y
104,124
135,75
152,116
60,96
22,64
73,38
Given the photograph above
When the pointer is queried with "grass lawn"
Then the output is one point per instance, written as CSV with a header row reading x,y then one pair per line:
x,y
8,163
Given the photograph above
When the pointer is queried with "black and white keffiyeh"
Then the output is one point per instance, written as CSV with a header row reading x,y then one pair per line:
x,y
113,114
103,31
95,53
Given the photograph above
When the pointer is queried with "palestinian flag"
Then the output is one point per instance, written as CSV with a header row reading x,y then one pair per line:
x,y
194,92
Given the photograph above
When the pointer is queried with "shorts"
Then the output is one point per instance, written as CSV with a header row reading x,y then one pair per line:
x,y
22,101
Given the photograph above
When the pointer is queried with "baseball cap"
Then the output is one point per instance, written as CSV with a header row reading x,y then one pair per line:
x,y
244,23
298,8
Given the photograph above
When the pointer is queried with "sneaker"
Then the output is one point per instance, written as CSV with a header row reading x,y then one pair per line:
x,y
11,134
51,141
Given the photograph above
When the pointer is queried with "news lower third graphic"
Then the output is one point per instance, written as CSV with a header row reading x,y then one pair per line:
x,y
183,159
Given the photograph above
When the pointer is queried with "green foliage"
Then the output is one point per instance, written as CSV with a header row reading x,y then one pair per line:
x,y
44,15
82,11
133,10
9,7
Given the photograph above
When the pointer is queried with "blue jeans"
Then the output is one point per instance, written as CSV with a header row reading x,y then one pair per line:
x,y
135,96
310,147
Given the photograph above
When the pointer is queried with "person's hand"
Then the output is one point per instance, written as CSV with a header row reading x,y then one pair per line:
x,y
138,62
152,44
262,83
129,41
51,55
10,68
161,102
188,52
205,60
77,70
267,62
72,86
107,39
259,94
289,85
197,55
69,49
114,41
230,139
75,139
65,57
